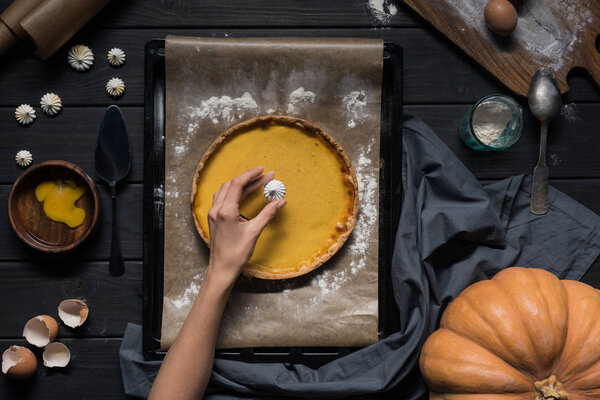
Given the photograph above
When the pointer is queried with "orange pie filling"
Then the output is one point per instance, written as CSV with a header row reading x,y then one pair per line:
x,y
321,194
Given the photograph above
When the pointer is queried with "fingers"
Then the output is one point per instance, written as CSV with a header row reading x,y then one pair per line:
x,y
236,188
219,195
257,183
266,214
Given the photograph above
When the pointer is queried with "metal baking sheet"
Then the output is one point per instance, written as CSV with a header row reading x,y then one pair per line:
x,y
154,210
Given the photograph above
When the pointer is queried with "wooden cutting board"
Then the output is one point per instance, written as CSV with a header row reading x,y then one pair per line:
x,y
556,34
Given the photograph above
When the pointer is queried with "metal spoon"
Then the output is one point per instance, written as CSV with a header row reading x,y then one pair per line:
x,y
545,103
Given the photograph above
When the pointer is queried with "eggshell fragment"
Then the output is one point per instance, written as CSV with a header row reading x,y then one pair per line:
x,y
73,312
56,355
18,362
40,330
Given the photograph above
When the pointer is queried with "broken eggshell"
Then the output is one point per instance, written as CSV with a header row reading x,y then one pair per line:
x,y
18,362
40,330
56,355
73,312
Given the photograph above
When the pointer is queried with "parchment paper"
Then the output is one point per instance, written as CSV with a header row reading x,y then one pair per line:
x,y
337,304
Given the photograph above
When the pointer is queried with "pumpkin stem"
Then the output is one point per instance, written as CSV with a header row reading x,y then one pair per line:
x,y
550,389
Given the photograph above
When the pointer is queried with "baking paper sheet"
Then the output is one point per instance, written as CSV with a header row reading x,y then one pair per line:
x,y
213,84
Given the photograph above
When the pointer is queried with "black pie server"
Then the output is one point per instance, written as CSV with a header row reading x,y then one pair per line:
x,y
113,161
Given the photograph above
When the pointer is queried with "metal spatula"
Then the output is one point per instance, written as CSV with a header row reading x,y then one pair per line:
x,y
113,160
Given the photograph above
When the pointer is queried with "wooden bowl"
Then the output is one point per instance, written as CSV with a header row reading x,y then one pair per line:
x,y
27,216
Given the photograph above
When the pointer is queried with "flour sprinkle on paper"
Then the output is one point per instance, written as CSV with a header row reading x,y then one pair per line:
x,y
224,108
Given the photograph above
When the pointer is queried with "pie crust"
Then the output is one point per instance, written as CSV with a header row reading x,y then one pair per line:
x,y
329,159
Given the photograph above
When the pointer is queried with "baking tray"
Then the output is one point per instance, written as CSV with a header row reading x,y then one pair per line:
x,y
390,196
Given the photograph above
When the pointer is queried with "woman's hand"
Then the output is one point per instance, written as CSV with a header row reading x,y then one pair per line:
x,y
186,369
232,238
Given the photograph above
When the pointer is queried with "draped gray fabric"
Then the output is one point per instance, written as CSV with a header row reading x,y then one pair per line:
x,y
453,232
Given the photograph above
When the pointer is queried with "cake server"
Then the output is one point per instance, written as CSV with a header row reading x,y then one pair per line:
x,y
545,103
113,160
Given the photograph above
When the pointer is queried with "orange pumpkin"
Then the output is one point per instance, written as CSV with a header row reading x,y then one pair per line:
x,y
523,335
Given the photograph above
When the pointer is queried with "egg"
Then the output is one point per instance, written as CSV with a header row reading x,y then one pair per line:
x,y
73,312
40,330
501,17
18,362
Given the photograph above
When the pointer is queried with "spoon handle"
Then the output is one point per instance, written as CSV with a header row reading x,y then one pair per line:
x,y
539,190
116,266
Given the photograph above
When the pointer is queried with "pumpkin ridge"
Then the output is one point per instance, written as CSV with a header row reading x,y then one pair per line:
x,y
570,367
547,311
515,311
514,372
519,368
575,381
557,360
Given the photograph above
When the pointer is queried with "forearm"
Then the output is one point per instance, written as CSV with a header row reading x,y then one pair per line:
x,y
186,369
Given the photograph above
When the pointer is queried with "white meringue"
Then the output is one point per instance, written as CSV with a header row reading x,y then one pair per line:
x,y
115,87
24,158
116,57
81,57
51,104
274,190
25,114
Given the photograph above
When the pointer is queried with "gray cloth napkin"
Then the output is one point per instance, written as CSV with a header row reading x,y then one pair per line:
x,y
453,232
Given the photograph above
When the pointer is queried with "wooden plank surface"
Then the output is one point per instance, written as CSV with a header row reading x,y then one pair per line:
x,y
440,84
93,374
98,245
552,34
34,288
435,71
243,13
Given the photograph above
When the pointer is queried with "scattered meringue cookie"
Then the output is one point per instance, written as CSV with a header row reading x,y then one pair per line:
x,y
115,87
24,158
25,114
116,57
51,103
274,190
81,58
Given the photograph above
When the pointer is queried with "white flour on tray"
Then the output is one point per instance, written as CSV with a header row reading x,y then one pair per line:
x,y
233,110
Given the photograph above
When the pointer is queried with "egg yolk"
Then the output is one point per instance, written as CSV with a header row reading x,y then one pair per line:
x,y
58,199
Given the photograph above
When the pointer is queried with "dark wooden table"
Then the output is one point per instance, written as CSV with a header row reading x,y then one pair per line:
x,y
440,84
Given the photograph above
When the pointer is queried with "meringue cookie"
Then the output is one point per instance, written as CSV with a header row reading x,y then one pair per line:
x,y
81,57
116,57
24,158
51,104
25,114
274,190
115,87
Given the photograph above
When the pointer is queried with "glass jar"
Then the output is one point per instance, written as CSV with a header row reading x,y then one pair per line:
x,y
505,137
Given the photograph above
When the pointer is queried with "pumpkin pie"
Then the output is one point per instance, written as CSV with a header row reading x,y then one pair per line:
x,y
322,192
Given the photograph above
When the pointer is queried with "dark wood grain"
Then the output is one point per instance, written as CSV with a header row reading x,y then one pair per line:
x,y
27,216
97,247
512,61
241,13
571,138
93,373
70,136
440,83
435,71
35,288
